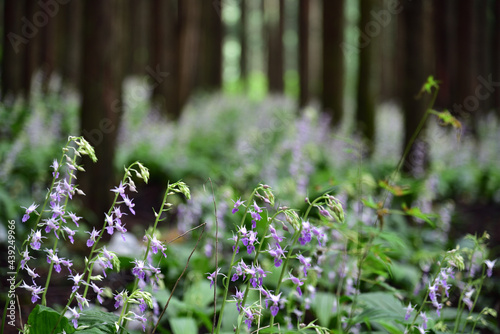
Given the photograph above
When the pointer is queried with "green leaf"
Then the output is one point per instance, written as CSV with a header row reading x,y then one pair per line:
x,y
415,212
379,306
98,322
183,326
323,307
43,319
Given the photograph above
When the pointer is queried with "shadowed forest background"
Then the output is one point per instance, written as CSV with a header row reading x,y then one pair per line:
x,y
306,95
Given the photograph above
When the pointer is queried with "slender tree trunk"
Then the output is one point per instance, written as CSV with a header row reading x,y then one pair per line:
x,y
274,14
243,43
415,73
14,43
101,97
496,56
303,52
72,47
32,52
165,57
189,20
333,59
210,72
365,98
48,51
316,50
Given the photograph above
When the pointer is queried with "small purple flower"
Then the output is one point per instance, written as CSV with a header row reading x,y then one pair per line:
x,y
421,329
424,319
118,300
120,189
26,257
156,244
51,224
138,270
35,291
128,203
490,265
74,218
142,320
29,210
70,233
55,165
93,235
142,305
296,281
305,261
238,297
237,204
240,270
81,301
409,309
277,253
467,298
77,278
54,259
75,315
250,316
31,273
213,276
274,234
305,235
98,291
275,300
57,210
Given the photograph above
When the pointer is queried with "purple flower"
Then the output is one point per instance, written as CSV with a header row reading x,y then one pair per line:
x,y
29,210
156,244
51,224
70,233
26,258
467,298
74,218
250,316
240,270
120,189
142,305
409,309
93,235
75,315
274,234
35,291
490,265
305,261
128,203
57,210
31,273
213,276
142,320
77,278
237,204
277,253
305,235
238,297
138,270
98,291
424,319
118,299
81,301
296,281
275,300
54,259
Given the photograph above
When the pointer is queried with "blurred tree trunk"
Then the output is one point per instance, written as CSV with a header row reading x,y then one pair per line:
x,y
72,44
468,104
13,51
274,14
333,59
48,51
315,50
496,56
32,52
165,57
365,92
210,71
415,55
101,107
243,43
139,28
189,20
303,52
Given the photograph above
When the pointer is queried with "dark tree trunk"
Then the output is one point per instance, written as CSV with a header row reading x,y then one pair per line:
x,y
48,51
189,20
139,36
415,52
365,98
210,72
303,52
496,56
101,97
13,51
72,47
32,52
165,57
243,42
333,59
274,13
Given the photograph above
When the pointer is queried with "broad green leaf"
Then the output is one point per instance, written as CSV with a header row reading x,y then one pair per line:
x,y
183,326
98,322
43,319
199,294
415,212
323,305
